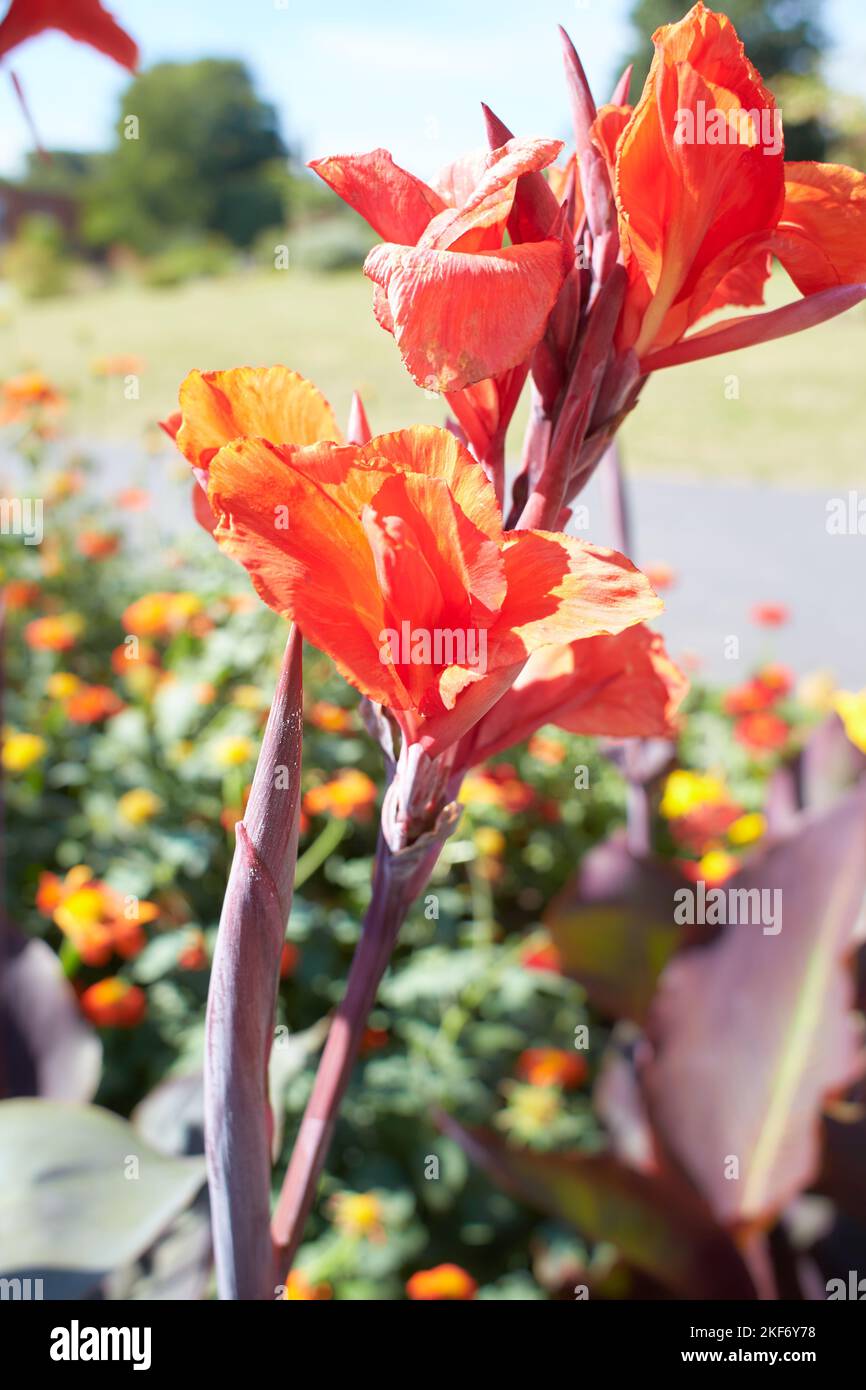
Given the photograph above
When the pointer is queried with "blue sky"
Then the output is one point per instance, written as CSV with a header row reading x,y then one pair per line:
x,y
352,74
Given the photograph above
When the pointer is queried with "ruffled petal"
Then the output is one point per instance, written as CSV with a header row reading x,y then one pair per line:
x,y
560,588
86,21
396,204
821,237
266,402
459,318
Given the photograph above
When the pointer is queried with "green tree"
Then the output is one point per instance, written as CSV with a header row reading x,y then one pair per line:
x,y
785,39
197,152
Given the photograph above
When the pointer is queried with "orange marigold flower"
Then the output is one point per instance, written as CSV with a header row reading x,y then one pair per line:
x,y
97,545
194,954
31,390
547,750
445,1281
161,614
540,953
93,703
762,732
121,364
299,1288
130,656
133,499
289,960
351,795
552,1066
96,918
114,1003
20,593
56,633
332,719
497,786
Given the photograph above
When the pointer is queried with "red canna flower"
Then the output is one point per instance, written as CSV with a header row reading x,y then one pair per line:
x,y
704,199
84,20
462,306
392,558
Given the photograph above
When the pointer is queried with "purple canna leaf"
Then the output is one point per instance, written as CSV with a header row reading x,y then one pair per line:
x,y
241,1000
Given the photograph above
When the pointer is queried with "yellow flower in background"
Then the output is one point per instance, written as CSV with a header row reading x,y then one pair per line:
x,y
851,709
233,751
530,1110
489,842
62,685
139,805
22,751
745,830
298,1288
358,1214
684,791
248,697
817,691
351,794
716,866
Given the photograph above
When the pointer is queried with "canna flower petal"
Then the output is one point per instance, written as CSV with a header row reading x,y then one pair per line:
x,y
682,200
268,402
396,204
84,20
625,686
821,236
478,224
382,551
459,317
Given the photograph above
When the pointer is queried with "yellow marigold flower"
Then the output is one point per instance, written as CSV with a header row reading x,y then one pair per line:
x,y
745,830
716,866
299,1288
851,709
21,751
489,842
685,790
531,1110
62,685
233,751
359,1214
139,805
248,697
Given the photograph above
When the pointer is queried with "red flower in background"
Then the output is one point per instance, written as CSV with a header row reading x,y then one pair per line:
x,y
86,21
551,1066
762,732
114,1003
770,614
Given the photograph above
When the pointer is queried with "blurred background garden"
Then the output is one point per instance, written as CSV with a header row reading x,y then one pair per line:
x,y
163,222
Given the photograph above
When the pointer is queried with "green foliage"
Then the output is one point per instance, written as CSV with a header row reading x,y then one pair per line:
x,y
37,260
331,244
188,259
195,152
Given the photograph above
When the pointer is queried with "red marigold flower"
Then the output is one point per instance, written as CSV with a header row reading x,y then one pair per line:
x,y
114,1003
97,545
96,918
541,954
445,1281
770,614
552,1066
93,703
56,633
762,732
20,593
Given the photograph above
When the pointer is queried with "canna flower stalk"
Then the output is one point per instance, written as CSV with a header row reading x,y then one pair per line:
x,y
466,618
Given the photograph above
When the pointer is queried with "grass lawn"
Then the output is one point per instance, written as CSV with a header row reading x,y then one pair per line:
x,y
799,419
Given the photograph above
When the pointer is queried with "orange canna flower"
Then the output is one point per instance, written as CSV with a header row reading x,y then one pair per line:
x,y
351,795
704,199
84,20
552,1066
93,703
446,1281
114,1003
462,306
392,558
56,633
